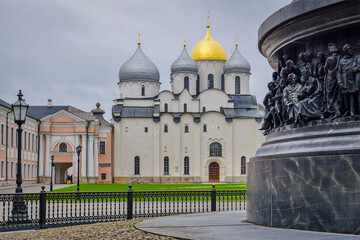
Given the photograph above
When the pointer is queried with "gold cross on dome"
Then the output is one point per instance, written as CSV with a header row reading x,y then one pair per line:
x,y
139,39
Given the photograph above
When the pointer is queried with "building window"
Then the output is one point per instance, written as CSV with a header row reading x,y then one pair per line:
x,y
185,107
24,170
103,176
7,135
215,149
102,147
2,134
237,85
146,129
142,90
186,166
243,165
24,140
28,169
37,147
186,82
166,107
12,137
137,165
165,128
166,165
62,147
29,135
222,83
12,169
32,171
204,109
210,81
32,142
198,84
2,169
204,128
186,128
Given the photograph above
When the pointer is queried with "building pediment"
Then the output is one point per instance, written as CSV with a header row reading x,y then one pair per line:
x,y
63,116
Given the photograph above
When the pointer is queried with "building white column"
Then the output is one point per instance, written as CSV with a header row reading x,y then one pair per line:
x,y
90,164
47,156
177,156
156,154
75,157
197,150
83,155
41,155
229,162
96,157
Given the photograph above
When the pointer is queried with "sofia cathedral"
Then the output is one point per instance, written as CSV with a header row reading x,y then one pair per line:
x,y
204,130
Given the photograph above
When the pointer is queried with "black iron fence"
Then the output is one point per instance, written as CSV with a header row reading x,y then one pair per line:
x,y
46,209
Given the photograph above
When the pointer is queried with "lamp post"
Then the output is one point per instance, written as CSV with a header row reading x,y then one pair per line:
x,y
51,179
19,211
78,150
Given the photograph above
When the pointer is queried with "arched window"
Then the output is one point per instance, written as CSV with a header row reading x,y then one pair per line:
x,y
198,84
243,165
215,149
166,165
142,90
204,128
186,128
62,147
204,109
210,81
237,85
222,83
137,165
185,107
186,82
165,128
186,166
166,107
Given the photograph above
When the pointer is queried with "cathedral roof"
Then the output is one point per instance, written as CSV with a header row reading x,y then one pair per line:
x,y
184,63
139,68
237,63
208,49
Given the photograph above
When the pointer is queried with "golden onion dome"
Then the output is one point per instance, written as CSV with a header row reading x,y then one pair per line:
x,y
208,49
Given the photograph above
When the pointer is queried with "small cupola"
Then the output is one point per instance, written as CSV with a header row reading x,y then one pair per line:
x,y
184,63
237,63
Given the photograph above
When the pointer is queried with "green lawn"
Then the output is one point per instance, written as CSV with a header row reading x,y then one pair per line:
x,y
151,187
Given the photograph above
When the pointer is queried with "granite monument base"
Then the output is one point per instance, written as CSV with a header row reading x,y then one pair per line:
x,y
308,178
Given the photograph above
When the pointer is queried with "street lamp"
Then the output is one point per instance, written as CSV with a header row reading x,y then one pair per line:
x,y
51,179
19,212
78,150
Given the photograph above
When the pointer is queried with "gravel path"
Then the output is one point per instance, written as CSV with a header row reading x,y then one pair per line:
x,y
111,230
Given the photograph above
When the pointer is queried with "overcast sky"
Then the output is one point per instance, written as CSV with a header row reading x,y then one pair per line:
x,y
71,51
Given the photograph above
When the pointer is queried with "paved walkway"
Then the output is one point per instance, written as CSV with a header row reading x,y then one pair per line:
x,y
30,188
227,226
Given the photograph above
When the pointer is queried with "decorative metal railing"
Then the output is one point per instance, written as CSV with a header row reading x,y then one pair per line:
x,y
46,209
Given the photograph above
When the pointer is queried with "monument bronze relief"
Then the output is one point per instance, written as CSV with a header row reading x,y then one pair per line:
x,y
325,87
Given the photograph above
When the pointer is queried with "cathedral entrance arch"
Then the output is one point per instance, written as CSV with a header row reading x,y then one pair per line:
x,y
214,172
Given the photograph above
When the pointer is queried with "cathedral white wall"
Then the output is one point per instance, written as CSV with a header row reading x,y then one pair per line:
x,y
207,67
230,82
133,89
177,82
131,102
213,99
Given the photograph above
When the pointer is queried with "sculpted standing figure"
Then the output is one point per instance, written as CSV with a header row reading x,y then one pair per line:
x,y
319,73
333,95
356,71
291,98
268,102
346,78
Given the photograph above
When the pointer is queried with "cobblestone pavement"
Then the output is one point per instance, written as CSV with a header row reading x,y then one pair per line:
x,y
111,230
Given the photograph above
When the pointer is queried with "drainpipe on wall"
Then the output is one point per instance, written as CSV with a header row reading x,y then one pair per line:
x,y
7,145
38,152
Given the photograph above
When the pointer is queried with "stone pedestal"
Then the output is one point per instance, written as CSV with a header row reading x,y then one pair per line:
x,y
308,178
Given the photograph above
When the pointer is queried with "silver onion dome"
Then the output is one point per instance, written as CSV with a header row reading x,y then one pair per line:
x,y
184,63
139,68
237,63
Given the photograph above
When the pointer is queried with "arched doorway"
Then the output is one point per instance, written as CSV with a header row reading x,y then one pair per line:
x,y
214,172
